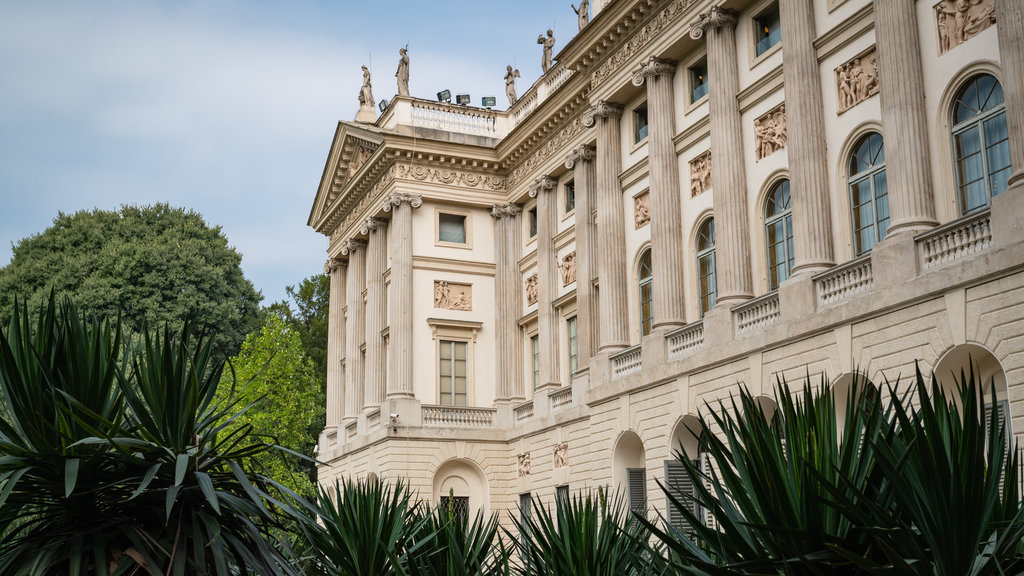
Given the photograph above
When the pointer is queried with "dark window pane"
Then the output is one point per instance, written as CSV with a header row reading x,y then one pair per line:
x,y
451,228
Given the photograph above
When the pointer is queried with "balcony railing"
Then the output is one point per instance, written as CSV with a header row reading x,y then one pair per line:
x,y
458,417
539,92
561,398
757,314
842,282
442,116
955,240
686,340
626,362
523,411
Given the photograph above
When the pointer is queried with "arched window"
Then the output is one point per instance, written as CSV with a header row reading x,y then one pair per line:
x,y
706,278
869,193
646,293
980,142
778,224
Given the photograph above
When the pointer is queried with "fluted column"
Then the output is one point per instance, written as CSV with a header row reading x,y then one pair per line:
x,y
904,122
1010,23
355,327
335,342
728,179
666,212
581,162
805,130
547,319
611,225
507,303
400,373
376,316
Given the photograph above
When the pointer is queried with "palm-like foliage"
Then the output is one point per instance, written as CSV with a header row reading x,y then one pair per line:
x,y
450,544
114,459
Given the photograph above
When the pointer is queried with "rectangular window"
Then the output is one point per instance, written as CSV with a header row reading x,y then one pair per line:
x,y
570,196
571,329
768,30
451,228
707,281
533,222
698,80
452,376
636,480
640,124
525,513
535,360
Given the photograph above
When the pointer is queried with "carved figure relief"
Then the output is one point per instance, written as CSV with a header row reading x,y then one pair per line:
x,y
700,174
452,296
360,157
524,464
960,20
562,455
568,268
857,80
532,283
641,210
770,132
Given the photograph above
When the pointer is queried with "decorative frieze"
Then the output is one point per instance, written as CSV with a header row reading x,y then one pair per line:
x,y
700,174
636,44
554,145
770,132
857,80
523,464
561,455
532,284
641,210
957,21
453,296
567,266
451,177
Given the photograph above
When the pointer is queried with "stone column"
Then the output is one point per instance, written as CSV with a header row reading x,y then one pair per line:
x,y
1010,23
581,162
805,130
507,303
611,225
335,342
728,179
355,328
904,123
400,373
666,211
376,315
547,272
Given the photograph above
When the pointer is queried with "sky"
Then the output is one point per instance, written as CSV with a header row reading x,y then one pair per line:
x,y
226,107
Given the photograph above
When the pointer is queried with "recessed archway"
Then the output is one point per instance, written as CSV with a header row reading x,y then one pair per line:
x,y
464,482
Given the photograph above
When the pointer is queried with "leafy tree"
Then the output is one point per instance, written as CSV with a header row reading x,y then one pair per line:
x,y
308,317
154,264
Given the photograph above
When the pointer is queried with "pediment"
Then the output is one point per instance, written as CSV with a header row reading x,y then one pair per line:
x,y
352,148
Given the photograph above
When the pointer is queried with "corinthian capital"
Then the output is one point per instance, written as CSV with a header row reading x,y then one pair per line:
x,y
372,225
583,153
602,109
352,245
653,67
717,17
333,264
399,198
509,210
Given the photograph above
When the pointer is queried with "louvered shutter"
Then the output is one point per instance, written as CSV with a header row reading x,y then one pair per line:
x,y
704,465
679,485
1002,409
636,480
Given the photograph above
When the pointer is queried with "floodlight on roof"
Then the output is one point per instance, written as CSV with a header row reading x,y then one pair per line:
x,y
463,99
444,96
383,105
488,101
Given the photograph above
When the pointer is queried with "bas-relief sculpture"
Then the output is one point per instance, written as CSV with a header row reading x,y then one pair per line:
x,y
562,455
549,44
531,289
567,267
770,132
510,84
524,464
857,80
700,174
960,20
641,210
452,296
403,72
366,112
358,159
582,13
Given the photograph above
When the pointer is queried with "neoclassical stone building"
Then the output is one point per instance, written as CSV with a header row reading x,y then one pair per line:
x,y
697,195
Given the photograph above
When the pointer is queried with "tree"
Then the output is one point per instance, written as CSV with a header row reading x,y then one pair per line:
x,y
150,264
308,317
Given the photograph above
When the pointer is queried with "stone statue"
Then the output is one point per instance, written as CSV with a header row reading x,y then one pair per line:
x,y
549,44
366,111
510,85
582,13
403,72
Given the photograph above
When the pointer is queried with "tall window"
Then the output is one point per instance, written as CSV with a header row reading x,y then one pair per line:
x,y
980,142
573,336
698,80
768,30
646,293
869,194
533,222
451,228
639,123
570,196
707,281
778,223
452,366
535,360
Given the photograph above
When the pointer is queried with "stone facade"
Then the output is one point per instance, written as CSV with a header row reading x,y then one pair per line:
x,y
450,241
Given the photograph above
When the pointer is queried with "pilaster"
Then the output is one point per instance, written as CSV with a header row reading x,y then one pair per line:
x,y
400,369
508,304
376,316
335,342
1010,23
547,320
355,328
581,162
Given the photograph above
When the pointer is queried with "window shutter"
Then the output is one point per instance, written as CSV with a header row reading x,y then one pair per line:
x,y
636,480
679,485
704,465
1002,407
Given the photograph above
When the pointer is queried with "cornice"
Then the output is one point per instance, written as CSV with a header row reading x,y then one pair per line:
x,y
449,265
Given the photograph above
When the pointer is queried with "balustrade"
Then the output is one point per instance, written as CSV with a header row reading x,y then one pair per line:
x,y
458,417
686,340
955,240
756,314
626,362
561,398
443,116
842,282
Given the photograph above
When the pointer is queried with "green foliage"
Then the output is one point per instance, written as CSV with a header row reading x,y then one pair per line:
x,y
308,317
449,544
151,264
115,459
286,398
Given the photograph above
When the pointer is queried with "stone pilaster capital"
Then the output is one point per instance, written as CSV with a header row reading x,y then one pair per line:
x,y
399,198
509,210
352,245
333,264
653,67
582,153
600,110
373,225
542,184
717,17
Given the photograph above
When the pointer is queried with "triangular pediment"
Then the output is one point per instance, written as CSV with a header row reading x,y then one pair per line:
x,y
350,151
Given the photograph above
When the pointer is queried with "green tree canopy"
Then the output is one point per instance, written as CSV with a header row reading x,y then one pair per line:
x,y
154,264
308,317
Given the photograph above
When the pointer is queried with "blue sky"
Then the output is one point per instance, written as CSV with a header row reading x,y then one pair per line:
x,y
225,107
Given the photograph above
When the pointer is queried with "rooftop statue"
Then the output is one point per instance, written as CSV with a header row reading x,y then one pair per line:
x,y
366,112
582,13
403,72
548,43
510,84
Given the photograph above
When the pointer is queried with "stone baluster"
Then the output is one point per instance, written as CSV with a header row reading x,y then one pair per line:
x,y
1010,23
355,328
376,316
581,162
728,179
611,226
400,369
666,211
805,130
904,122
335,342
507,303
547,271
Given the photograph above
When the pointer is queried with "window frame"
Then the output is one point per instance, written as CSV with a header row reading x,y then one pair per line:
x,y
534,341
786,217
568,191
645,285
461,331
760,33
637,112
467,227
572,331
869,175
977,122
706,253
691,78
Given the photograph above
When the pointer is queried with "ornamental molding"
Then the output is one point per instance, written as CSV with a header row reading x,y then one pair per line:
x,y
640,40
542,184
373,225
550,148
582,153
451,177
717,17
601,110
352,245
654,66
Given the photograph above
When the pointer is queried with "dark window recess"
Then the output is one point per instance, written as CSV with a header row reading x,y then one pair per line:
x,y
640,124
768,29
698,80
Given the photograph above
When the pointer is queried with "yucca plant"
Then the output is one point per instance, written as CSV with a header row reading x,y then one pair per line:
x,y
452,544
